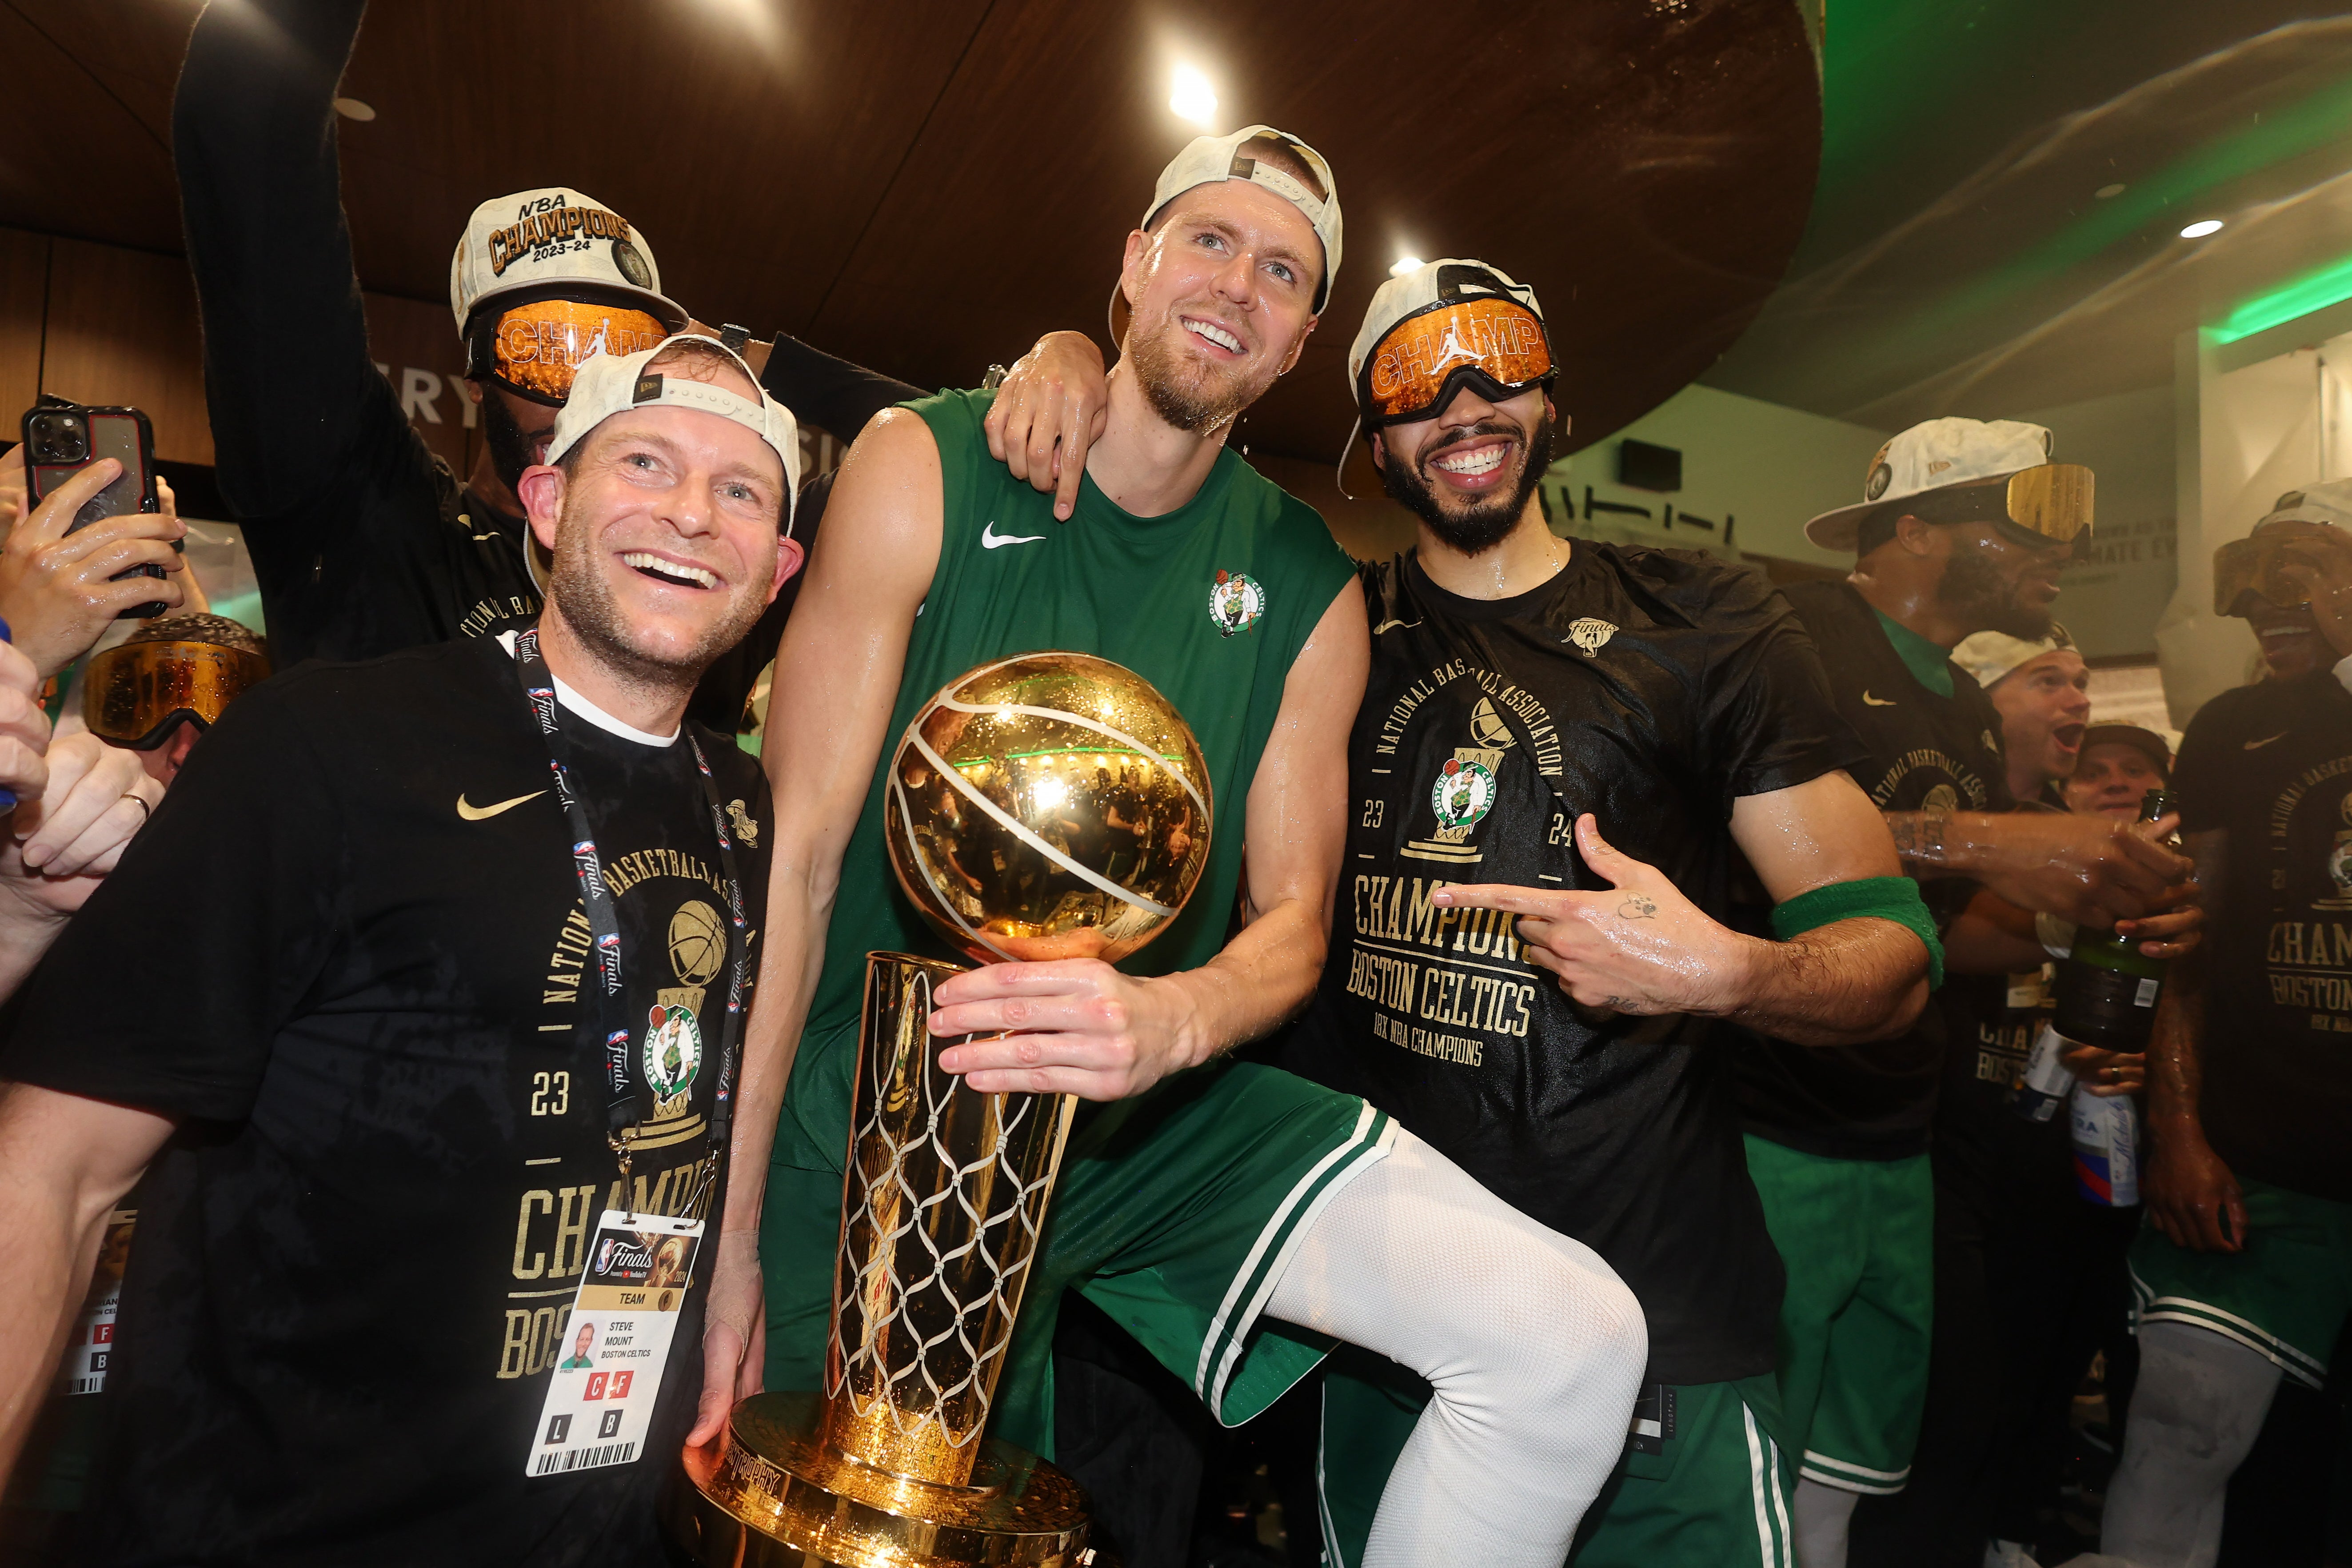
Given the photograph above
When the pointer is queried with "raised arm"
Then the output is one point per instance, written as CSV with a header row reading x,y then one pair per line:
x,y
64,1163
845,646
1642,947
1089,1030
287,378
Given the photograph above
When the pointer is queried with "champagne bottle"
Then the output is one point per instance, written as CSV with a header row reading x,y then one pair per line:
x,y
2107,996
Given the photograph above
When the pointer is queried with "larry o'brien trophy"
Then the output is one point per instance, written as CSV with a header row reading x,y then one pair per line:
x,y
1053,805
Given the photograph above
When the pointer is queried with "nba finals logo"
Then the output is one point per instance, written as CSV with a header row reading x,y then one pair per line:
x,y
542,707
1236,602
592,874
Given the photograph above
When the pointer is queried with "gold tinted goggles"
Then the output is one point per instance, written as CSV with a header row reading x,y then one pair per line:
x,y
2277,564
135,694
1497,346
2052,500
538,348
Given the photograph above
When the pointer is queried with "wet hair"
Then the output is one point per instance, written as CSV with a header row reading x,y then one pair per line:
x,y
218,630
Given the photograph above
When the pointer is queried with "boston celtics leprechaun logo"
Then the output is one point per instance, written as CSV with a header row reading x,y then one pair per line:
x,y
1236,602
1464,793
672,1057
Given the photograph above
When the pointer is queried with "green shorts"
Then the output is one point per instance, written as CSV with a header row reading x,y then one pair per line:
x,y
1175,1212
1708,1485
1858,1239
2286,1295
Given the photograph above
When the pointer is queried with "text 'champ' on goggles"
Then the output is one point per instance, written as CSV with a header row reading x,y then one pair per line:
x,y
2051,501
1490,343
533,350
2277,563
136,694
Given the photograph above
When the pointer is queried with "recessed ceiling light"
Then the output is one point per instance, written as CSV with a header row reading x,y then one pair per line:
x,y
1405,264
353,109
1192,98
2202,228
2108,193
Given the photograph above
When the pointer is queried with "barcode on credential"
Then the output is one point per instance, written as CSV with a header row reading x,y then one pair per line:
x,y
585,1458
86,1384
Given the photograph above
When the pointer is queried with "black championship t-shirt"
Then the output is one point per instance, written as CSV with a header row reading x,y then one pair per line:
x,y
2271,766
1984,1151
1650,688
1874,1102
349,953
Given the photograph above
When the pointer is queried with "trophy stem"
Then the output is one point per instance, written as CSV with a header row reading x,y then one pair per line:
x,y
943,1204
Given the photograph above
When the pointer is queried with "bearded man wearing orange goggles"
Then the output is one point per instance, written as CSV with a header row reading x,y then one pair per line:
x,y
1526,693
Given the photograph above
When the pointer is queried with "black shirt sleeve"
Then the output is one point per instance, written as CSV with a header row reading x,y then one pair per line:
x,y
169,989
832,394
1767,718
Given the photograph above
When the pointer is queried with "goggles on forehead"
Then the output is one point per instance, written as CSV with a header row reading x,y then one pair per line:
x,y
2277,564
1494,346
135,694
2052,500
534,350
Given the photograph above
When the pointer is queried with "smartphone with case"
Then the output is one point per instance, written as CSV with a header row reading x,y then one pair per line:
x,y
61,439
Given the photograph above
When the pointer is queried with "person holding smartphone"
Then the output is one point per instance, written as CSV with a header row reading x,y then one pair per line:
x,y
61,586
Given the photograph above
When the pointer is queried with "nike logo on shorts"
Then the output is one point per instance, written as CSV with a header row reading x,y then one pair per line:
x,y
479,812
991,539
1870,702
2267,740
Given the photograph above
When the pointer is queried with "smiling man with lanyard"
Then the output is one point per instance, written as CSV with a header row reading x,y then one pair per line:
x,y
471,926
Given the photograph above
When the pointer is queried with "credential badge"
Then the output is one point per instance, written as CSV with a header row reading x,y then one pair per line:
x,y
1236,602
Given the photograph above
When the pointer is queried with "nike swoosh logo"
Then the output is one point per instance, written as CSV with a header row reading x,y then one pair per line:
x,y
2280,736
991,539
1870,702
478,813
1391,626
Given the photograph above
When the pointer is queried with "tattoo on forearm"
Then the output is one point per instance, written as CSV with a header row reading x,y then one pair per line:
x,y
1637,907
1920,835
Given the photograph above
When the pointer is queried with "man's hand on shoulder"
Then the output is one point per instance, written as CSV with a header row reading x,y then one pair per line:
x,y
1053,405
1073,1026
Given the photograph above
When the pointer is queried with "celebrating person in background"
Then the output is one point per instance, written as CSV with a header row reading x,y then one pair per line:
x,y
1164,1208
1527,694
2244,1274
1963,528
2041,690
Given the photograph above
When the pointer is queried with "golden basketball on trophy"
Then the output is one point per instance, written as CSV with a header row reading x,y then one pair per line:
x,y
1052,805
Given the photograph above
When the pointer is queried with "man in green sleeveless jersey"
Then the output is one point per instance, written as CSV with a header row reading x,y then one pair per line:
x,y
1233,1218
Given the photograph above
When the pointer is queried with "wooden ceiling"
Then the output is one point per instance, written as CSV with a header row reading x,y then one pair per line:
x,y
927,187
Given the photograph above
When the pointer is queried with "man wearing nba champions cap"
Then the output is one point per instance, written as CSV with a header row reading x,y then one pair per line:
x,y
1565,749
1962,528
1232,1217
474,945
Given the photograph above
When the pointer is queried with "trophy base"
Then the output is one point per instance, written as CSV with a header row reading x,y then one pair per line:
x,y
769,1494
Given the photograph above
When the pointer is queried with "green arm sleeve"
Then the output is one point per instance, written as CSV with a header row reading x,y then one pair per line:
x,y
1893,898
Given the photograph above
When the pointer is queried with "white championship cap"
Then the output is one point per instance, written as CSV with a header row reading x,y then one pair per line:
x,y
2330,503
1208,159
1934,455
532,243
612,383
1990,657
1445,281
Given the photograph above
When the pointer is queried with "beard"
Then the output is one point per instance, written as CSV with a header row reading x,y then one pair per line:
x,y
510,444
593,613
1192,397
1475,527
1973,589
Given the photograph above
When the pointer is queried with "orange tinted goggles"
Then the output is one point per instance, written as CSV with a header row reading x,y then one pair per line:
x,y
1495,345
135,694
538,348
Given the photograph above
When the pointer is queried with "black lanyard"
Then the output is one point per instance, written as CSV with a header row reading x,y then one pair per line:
x,y
602,1020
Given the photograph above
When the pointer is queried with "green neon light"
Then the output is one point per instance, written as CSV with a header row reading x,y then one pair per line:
x,y
2330,285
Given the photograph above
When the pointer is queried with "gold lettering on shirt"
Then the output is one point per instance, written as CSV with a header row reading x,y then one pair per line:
x,y
540,1200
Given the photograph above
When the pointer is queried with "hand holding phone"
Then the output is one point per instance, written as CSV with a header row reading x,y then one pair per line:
x,y
62,439
61,585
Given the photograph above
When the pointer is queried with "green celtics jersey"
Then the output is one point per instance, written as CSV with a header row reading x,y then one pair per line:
x,y
1210,603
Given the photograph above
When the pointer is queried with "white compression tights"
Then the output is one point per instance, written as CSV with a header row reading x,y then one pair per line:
x,y
2195,1413
1532,1346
